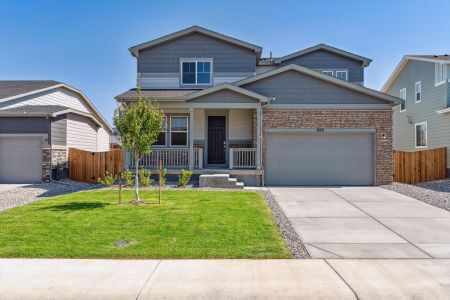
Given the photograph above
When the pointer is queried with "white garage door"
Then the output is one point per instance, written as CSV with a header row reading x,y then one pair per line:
x,y
20,159
320,158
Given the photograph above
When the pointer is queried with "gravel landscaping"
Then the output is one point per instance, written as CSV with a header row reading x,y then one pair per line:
x,y
33,192
289,234
436,193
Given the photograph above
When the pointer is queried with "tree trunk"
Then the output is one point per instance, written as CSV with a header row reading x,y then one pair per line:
x,y
136,176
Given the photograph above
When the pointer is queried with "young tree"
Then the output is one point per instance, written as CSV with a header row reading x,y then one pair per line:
x,y
139,126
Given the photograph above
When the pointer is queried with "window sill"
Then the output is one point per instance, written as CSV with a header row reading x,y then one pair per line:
x,y
440,83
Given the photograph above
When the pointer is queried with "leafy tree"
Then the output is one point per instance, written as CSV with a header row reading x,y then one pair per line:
x,y
139,126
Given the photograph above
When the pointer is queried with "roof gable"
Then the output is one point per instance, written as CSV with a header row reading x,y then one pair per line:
x,y
194,29
405,60
12,88
320,76
364,60
231,90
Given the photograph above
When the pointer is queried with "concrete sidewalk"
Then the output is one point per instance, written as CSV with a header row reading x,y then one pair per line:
x,y
225,279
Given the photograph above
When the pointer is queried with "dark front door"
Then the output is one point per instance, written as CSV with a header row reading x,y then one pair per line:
x,y
216,140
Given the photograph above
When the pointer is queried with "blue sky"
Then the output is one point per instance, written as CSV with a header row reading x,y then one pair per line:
x,y
84,43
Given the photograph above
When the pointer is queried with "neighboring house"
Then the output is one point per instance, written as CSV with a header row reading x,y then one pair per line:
x,y
301,119
116,143
422,121
39,121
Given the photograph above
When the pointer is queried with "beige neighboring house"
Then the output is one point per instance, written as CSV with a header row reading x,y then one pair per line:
x,y
39,121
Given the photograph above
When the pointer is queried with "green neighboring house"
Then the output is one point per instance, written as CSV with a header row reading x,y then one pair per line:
x,y
422,121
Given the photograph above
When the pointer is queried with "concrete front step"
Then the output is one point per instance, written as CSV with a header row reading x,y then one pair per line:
x,y
219,181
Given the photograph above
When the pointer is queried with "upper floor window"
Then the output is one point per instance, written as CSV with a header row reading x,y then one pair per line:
x,y
421,135
196,71
418,91
440,73
329,73
403,96
341,75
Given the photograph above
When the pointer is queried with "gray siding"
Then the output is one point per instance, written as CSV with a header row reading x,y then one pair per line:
x,y
322,59
24,125
227,58
433,99
225,96
59,131
295,88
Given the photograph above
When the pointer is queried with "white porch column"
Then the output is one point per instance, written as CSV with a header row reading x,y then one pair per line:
x,y
191,138
258,138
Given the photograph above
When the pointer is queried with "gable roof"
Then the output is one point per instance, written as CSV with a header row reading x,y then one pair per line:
x,y
366,61
43,111
443,59
318,75
194,29
227,86
10,88
14,89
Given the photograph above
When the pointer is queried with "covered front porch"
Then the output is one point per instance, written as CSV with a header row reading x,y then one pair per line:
x,y
207,139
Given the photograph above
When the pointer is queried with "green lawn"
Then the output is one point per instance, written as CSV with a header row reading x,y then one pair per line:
x,y
188,224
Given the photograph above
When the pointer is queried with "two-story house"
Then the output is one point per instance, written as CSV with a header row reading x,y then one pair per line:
x,y
301,119
422,121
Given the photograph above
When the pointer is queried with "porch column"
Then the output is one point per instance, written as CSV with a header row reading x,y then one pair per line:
x,y
258,138
191,138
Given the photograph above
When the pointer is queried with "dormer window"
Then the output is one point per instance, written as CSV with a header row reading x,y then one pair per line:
x,y
341,75
329,73
196,71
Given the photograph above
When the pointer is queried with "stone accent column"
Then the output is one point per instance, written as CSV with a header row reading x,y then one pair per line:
x,y
46,164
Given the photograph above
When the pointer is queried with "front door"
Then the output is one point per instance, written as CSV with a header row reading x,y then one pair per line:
x,y
216,140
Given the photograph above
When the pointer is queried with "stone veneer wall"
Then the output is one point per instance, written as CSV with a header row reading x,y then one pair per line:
x,y
60,156
380,120
46,164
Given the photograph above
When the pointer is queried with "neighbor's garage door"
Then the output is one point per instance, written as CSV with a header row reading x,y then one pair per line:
x,y
20,159
320,158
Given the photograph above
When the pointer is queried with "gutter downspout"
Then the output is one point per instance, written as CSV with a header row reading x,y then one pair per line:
x,y
263,180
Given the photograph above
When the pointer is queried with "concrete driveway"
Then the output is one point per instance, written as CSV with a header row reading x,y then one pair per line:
x,y
365,222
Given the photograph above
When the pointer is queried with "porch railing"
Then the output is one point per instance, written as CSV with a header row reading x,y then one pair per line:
x,y
242,158
170,157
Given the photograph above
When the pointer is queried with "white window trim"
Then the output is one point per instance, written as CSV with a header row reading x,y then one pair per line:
x,y
426,135
187,131
342,71
165,130
415,91
403,89
196,60
436,74
328,71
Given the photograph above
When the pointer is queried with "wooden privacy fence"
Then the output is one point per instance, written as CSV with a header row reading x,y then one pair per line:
x,y
89,166
420,166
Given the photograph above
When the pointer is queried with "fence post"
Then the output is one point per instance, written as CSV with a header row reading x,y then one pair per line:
x,y
200,158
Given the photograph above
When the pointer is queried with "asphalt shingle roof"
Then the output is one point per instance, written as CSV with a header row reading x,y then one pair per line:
x,y
10,88
154,94
32,110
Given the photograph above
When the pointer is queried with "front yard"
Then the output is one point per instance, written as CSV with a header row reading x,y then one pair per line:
x,y
188,224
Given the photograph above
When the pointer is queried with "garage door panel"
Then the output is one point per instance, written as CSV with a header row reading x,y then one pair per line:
x,y
320,159
20,159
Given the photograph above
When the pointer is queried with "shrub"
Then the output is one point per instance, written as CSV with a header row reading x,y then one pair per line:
x,y
108,180
145,177
184,178
129,178
162,179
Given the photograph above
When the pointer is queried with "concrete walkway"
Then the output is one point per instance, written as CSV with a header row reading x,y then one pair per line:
x,y
365,222
224,279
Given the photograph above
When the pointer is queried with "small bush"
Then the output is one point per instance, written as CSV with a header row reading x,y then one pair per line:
x,y
184,178
145,177
108,180
162,179
129,178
